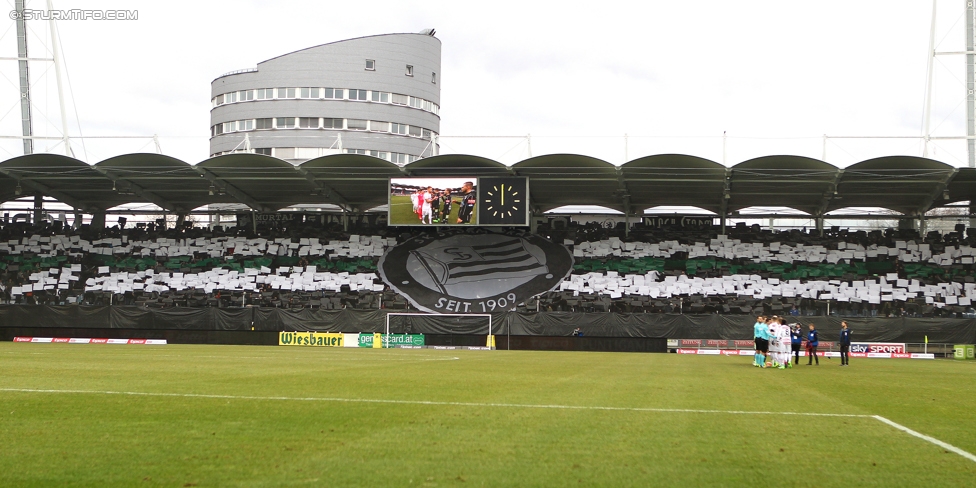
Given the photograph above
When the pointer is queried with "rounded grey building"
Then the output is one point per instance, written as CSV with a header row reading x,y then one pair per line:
x,y
376,95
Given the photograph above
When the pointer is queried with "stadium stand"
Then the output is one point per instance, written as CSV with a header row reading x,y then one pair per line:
x,y
748,270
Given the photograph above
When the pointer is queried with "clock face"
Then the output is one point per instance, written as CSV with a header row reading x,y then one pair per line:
x,y
503,201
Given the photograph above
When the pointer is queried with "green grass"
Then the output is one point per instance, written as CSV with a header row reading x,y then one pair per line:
x,y
401,212
290,434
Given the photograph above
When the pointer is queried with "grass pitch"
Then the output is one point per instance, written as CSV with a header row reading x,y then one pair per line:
x,y
97,415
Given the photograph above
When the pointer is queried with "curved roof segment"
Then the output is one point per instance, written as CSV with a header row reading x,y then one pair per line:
x,y
675,179
791,181
906,184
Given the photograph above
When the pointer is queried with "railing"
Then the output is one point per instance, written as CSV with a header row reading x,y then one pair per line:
x,y
236,71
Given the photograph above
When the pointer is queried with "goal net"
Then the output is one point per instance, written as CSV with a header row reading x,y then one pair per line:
x,y
466,325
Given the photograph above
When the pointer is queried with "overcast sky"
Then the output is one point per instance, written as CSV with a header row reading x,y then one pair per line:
x,y
775,76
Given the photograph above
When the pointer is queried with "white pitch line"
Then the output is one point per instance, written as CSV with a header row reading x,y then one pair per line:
x,y
944,445
326,359
402,357
432,402
933,440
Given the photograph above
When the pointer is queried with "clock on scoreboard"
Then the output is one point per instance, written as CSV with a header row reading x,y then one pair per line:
x,y
503,201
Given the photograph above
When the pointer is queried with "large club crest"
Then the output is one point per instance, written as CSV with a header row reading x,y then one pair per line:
x,y
459,272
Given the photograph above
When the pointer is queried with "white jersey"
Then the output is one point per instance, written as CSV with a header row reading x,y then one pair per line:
x,y
780,337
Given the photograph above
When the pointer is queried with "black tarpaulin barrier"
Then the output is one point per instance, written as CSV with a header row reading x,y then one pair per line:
x,y
54,316
319,320
673,326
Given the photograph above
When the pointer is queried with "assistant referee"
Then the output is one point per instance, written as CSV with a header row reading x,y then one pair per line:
x,y
760,334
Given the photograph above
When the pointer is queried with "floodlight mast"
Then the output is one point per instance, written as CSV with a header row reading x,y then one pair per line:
x,y
970,53
57,77
929,73
970,85
25,81
25,105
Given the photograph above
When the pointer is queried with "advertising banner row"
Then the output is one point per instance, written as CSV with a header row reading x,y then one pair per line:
x,y
85,340
728,344
887,350
828,354
337,339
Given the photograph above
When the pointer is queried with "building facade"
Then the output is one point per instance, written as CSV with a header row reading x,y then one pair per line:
x,y
376,95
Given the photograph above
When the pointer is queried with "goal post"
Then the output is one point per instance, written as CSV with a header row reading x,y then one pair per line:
x,y
490,340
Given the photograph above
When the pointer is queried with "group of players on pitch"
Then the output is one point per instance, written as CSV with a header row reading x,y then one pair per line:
x,y
433,206
775,340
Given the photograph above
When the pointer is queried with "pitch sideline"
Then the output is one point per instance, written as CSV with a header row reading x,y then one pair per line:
x,y
890,423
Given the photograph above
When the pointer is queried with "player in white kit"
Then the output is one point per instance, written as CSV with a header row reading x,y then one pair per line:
x,y
782,355
426,212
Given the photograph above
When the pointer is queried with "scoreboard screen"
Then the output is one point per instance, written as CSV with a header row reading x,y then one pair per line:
x,y
459,201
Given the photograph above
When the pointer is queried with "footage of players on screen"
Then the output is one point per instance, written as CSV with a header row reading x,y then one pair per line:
x,y
433,201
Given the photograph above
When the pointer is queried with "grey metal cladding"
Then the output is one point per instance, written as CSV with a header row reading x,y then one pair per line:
x,y
339,109
320,138
340,64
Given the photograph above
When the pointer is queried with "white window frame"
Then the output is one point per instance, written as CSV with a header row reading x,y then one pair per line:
x,y
318,123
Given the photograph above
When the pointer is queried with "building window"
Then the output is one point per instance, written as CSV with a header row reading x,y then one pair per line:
x,y
284,152
309,92
370,65
409,70
286,93
264,124
336,93
308,122
264,93
381,97
377,126
332,123
246,95
400,99
357,94
426,134
263,150
355,151
380,154
230,97
398,128
245,125
433,78
414,131
285,122
355,124
307,152
217,129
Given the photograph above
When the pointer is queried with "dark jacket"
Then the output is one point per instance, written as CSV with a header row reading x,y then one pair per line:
x,y
796,337
845,337
812,338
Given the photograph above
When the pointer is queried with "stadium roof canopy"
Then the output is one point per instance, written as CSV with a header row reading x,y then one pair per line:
x,y
905,184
